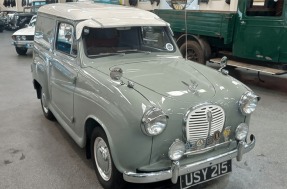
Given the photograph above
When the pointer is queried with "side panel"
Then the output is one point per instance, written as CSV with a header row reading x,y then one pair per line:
x,y
259,33
118,109
43,47
63,74
203,23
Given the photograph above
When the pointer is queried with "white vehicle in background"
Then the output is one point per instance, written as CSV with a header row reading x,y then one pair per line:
x,y
23,38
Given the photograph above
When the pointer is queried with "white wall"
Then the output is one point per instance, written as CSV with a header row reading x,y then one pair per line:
x,y
18,6
213,5
219,5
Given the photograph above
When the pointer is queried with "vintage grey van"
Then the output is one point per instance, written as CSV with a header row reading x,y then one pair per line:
x,y
115,80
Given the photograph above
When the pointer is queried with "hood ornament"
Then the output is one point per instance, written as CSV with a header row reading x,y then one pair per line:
x,y
191,87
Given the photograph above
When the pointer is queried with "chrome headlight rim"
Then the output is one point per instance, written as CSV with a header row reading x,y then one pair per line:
x,y
176,150
23,37
241,131
154,121
18,37
248,102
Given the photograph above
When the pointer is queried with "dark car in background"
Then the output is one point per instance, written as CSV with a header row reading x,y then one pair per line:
x,y
22,19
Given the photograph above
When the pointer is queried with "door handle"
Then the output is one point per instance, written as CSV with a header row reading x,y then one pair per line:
x,y
242,22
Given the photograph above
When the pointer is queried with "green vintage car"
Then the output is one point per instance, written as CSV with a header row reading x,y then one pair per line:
x,y
115,80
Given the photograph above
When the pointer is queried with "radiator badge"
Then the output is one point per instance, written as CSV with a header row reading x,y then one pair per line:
x,y
209,116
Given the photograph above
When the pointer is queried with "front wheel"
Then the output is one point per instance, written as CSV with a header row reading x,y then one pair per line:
x,y
107,173
47,113
192,51
21,50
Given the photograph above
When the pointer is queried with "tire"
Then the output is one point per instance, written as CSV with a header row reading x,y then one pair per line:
x,y
47,113
21,50
206,49
110,178
194,52
1,30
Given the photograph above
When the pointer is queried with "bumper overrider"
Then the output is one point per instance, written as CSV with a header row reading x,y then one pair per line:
x,y
177,170
26,44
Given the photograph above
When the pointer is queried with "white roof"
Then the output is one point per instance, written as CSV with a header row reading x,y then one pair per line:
x,y
106,15
99,15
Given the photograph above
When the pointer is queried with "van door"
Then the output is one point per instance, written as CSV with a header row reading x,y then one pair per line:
x,y
63,73
259,30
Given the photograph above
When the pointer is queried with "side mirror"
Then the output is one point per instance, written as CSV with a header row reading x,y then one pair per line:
x,y
223,64
116,74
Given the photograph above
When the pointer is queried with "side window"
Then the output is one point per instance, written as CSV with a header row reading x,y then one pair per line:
x,y
44,31
65,39
264,7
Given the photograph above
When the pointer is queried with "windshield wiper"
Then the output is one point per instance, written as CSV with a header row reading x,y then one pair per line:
x,y
106,54
133,51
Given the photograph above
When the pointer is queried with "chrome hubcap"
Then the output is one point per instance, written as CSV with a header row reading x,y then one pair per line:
x,y
103,158
44,103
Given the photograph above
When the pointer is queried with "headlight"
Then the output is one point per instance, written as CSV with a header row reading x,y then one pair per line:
x,y
241,131
248,102
23,37
154,122
18,38
176,150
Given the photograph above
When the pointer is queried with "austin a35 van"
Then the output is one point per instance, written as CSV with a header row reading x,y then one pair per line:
x,y
114,78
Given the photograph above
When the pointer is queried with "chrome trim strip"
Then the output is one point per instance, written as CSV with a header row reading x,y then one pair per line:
x,y
22,42
241,149
28,44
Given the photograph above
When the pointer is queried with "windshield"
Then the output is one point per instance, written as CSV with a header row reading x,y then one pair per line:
x,y
114,41
32,21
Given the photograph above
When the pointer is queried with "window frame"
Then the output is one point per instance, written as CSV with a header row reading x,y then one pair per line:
x,y
59,22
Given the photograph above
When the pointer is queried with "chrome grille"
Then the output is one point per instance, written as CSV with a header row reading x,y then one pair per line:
x,y
203,122
29,37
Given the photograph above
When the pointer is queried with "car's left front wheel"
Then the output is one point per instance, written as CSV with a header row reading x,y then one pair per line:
x,y
107,173
21,50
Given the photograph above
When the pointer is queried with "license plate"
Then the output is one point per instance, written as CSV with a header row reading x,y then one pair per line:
x,y
205,174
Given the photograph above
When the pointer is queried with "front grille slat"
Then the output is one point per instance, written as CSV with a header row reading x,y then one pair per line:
x,y
197,123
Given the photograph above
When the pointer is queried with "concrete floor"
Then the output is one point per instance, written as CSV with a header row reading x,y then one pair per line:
x,y
37,153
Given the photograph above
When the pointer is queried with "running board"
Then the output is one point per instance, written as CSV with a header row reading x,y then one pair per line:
x,y
252,67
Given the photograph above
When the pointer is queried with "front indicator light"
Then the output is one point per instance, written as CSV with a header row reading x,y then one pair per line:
x,y
176,150
241,131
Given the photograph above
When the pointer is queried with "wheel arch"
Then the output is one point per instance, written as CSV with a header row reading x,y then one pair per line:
x,y
37,87
90,124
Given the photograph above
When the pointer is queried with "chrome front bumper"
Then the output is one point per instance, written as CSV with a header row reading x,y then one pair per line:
x,y
26,44
177,170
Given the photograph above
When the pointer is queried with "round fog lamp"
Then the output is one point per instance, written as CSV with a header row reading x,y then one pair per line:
x,y
176,150
241,131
